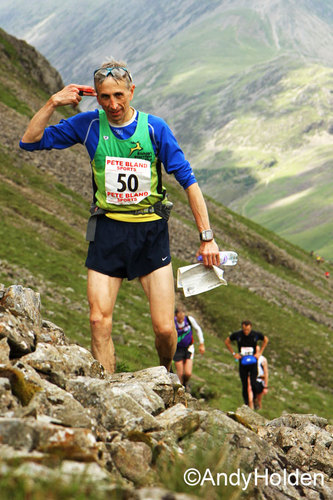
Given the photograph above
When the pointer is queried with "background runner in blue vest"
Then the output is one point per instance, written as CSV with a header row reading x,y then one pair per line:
x,y
184,354
131,244
247,339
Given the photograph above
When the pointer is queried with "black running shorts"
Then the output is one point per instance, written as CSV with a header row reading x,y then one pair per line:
x,y
259,387
183,353
128,249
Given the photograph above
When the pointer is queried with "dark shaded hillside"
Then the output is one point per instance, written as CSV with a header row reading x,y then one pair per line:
x,y
44,199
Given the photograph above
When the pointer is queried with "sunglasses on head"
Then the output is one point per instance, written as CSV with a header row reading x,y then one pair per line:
x,y
114,71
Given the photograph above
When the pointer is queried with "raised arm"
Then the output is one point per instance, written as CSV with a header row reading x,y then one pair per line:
x,y
208,249
69,95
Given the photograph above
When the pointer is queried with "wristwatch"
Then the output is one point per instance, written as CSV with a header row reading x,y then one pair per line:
x,y
207,235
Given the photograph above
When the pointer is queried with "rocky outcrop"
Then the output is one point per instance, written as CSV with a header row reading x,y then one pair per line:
x,y
35,66
63,416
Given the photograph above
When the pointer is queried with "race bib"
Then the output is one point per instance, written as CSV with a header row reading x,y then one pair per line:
x,y
246,351
127,180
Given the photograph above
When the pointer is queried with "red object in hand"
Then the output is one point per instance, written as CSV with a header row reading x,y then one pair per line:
x,y
89,92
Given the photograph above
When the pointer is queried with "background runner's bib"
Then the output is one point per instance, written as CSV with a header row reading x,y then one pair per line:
x,y
127,180
246,351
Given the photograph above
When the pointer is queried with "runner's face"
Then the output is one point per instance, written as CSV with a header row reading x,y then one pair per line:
x,y
115,97
180,316
246,329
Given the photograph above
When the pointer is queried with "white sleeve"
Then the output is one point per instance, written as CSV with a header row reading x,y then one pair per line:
x,y
197,329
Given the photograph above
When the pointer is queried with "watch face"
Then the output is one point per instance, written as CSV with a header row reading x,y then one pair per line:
x,y
206,235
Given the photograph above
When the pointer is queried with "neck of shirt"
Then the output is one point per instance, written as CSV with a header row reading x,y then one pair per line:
x,y
133,118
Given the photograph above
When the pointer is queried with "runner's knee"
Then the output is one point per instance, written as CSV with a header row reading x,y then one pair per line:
x,y
98,318
165,331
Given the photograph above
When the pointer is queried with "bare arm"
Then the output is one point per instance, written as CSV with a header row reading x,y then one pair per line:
x,y
265,368
208,249
264,344
229,347
38,123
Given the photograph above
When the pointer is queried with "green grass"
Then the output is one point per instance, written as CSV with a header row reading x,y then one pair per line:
x,y
276,146
209,456
192,85
18,81
304,220
210,69
275,143
168,474
9,49
23,488
8,98
45,246
289,345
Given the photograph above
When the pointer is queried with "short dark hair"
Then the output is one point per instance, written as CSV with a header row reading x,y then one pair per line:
x,y
246,322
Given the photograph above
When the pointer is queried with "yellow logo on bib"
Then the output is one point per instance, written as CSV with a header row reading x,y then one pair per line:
x,y
137,148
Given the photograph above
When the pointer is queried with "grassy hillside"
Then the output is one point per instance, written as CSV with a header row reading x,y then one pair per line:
x,y
275,159
44,207
261,142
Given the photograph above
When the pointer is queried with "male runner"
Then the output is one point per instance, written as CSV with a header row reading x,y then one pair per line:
x,y
247,339
128,232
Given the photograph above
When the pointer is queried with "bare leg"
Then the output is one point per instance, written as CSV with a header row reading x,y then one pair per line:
x,y
259,400
102,294
249,388
188,365
180,370
159,288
